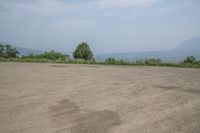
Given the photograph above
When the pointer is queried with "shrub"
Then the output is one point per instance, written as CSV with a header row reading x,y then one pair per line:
x,y
51,56
139,62
190,60
83,51
110,60
152,61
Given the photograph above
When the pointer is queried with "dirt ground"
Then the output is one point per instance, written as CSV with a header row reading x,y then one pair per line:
x,y
57,98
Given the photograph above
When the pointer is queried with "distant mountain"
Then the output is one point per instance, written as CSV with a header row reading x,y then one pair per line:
x,y
26,51
191,45
187,48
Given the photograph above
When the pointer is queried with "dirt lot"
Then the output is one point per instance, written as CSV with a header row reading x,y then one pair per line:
x,y
55,98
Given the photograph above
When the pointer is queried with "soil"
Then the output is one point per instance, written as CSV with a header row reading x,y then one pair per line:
x,y
64,98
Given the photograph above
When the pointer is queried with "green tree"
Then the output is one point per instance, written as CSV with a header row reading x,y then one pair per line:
x,y
190,60
83,51
7,51
2,50
11,52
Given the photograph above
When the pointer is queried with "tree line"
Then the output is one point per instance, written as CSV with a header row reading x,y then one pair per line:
x,y
82,51
7,51
84,55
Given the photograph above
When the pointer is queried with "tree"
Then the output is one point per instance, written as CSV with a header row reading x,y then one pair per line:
x,y
10,52
190,60
7,51
83,51
2,50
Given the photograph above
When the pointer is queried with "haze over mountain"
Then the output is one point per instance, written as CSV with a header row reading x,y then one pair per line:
x,y
26,51
190,47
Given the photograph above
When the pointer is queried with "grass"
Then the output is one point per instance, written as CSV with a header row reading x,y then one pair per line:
x,y
116,62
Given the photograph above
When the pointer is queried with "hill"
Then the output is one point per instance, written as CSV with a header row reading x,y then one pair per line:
x,y
191,45
26,51
187,48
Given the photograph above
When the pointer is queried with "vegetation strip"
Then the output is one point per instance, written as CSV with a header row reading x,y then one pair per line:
x,y
84,55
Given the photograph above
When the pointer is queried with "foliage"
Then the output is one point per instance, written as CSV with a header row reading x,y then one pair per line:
x,y
113,61
110,60
7,51
83,55
49,56
152,61
122,62
2,50
83,51
190,60
139,63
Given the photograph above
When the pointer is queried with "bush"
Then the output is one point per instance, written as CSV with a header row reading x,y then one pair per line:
x,y
152,62
83,52
51,56
190,60
110,60
139,63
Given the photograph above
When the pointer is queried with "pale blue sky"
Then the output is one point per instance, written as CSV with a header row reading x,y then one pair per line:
x,y
109,26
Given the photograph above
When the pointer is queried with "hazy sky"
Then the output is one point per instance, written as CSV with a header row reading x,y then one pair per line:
x,y
109,26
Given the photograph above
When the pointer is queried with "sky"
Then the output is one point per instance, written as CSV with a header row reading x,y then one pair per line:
x,y
108,26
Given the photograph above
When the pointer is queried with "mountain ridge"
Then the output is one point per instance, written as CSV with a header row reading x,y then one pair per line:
x,y
190,47
26,51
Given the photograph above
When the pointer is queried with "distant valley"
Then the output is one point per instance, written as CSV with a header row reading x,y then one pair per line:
x,y
188,48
